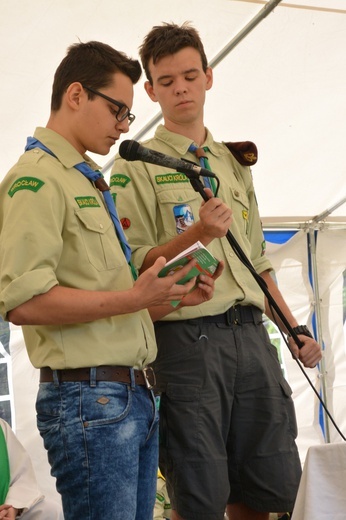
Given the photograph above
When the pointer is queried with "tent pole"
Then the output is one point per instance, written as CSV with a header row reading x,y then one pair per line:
x,y
327,212
319,335
266,9
312,236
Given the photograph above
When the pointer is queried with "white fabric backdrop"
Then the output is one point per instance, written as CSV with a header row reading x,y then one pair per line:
x,y
283,86
290,261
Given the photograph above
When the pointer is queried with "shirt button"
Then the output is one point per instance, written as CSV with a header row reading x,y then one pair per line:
x,y
236,193
101,226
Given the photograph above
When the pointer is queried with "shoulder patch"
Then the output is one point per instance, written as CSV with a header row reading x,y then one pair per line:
x,y
245,152
119,179
87,202
25,183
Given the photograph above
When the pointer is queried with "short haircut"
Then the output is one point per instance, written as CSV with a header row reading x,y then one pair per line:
x,y
92,64
164,40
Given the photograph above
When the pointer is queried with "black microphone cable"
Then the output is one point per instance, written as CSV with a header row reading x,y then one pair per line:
x,y
132,150
198,186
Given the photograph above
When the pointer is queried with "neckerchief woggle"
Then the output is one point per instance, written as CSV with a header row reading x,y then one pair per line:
x,y
203,161
100,183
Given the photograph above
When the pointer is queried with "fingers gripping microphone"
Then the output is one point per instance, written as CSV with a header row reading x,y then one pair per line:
x,y
133,151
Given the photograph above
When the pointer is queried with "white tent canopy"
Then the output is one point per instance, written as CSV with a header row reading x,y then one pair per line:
x,y
282,86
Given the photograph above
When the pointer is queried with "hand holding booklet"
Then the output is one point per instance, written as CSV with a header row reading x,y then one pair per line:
x,y
206,264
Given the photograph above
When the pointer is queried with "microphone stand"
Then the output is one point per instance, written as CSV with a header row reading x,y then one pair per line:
x,y
199,187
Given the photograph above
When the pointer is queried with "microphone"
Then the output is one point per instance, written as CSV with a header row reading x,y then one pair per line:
x,y
133,151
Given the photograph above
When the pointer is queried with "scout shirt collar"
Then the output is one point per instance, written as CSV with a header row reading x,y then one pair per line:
x,y
62,149
181,143
245,152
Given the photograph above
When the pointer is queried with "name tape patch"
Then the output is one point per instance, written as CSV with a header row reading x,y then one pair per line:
x,y
87,202
169,178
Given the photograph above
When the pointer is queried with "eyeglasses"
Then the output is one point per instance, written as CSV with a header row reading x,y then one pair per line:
x,y
123,112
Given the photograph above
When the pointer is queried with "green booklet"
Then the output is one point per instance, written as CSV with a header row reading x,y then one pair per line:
x,y
206,264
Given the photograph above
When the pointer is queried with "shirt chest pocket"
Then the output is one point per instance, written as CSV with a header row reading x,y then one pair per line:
x,y
100,241
240,206
178,209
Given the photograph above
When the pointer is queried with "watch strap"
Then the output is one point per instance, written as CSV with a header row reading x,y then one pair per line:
x,y
302,329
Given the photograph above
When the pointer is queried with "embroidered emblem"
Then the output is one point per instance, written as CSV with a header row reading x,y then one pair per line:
x,y
125,222
171,178
87,202
119,179
263,248
25,183
183,217
250,157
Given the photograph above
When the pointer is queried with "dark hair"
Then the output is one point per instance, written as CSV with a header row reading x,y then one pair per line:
x,y
164,40
92,64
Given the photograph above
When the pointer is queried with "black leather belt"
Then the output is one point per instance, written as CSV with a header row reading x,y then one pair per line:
x,y
120,374
235,315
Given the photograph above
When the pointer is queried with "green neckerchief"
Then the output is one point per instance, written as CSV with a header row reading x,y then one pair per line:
x,y
4,468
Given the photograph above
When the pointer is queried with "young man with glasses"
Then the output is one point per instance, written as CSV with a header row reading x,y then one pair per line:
x,y
66,277
122,111
227,419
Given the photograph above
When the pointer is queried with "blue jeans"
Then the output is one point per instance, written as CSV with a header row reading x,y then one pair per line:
x,y
102,444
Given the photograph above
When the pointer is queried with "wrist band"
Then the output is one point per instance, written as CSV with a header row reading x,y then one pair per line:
x,y
302,329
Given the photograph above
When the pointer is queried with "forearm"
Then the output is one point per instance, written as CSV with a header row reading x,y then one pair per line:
x,y
309,351
63,305
277,296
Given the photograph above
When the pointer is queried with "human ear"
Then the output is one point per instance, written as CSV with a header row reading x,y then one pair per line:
x,y
209,78
150,91
74,94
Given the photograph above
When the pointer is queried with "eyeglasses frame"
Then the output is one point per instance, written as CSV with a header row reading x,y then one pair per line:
x,y
131,117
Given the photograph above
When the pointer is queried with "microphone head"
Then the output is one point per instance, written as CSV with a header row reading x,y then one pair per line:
x,y
128,150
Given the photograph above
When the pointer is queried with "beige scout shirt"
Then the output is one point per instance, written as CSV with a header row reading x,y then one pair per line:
x,y
55,230
158,203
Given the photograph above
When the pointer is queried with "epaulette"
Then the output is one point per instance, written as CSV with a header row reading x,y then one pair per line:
x,y
245,152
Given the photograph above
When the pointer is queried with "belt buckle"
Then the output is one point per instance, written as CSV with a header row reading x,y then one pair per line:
x,y
148,372
237,315
232,316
